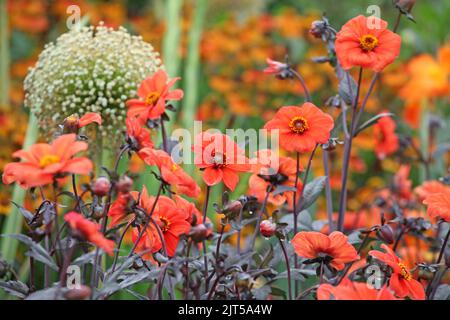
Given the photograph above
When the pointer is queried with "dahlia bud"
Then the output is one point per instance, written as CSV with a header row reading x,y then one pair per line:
x,y
125,184
198,233
71,124
317,28
267,228
101,186
81,293
386,234
232,209
405,5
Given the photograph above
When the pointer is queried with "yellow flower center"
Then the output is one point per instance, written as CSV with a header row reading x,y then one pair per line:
x,y
174,167
368,42
48,160
298,125
164,224
405,272
152,98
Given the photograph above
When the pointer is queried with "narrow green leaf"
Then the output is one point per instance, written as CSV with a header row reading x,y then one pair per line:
x,y
372,121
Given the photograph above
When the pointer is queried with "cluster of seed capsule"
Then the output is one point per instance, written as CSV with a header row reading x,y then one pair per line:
x,y
89,69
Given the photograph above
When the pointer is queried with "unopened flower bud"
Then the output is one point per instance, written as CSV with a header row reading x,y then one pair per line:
x,y
198,233
317,28
125,184
405,5
81,293
101,186
267,228
71,124
386,234
232,209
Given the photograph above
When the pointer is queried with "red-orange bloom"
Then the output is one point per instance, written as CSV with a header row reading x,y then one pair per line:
x,y
137,136
171,172
45,162
301,128
149,243
90,231
386,140
348,290
401,281
366,42
220,159
89,118
275,67
312,245
172,221
430,187
283,176
118,211
72,123
153,93
193,214
439,205
402,185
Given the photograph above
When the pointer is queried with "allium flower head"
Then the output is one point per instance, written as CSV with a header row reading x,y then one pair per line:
x,y
91,69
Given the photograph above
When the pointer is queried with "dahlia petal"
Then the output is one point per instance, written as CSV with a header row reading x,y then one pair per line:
x,y
230,178
212,176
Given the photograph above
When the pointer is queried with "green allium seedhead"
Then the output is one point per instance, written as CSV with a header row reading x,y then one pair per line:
x,y
90,69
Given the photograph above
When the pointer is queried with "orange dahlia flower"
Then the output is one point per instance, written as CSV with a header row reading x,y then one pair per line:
x,y
172,221
44,163
137,136
430,187
386,140
401,281
90,231
284,176
367,43
171,172
118,211
301,128
149,243
439,205
153,93
348,290
335,248
220,159
73,123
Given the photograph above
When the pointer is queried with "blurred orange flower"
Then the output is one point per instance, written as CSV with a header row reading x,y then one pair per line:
x,y
90,231
312,245
386,140
438,205
348,290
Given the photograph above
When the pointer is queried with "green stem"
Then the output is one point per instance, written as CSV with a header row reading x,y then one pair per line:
x,y
191,72
346,160
171,41
4,56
